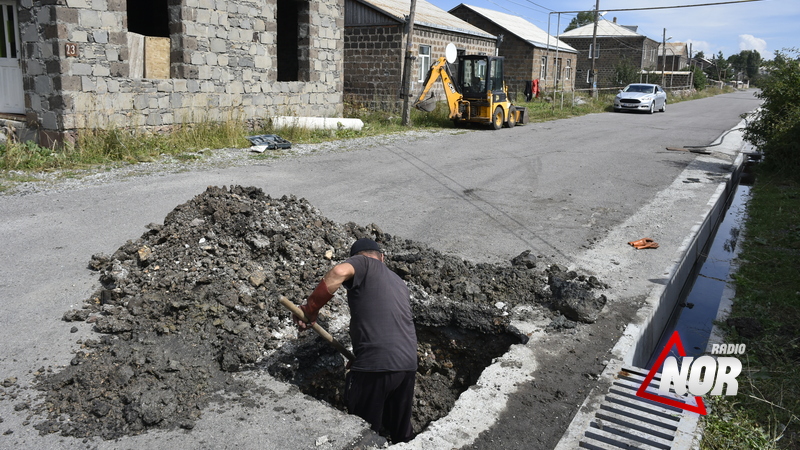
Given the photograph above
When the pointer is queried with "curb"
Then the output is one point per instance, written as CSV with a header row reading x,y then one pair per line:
x,y
637,342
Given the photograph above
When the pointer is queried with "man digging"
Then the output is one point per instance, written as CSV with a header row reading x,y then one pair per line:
x,y
379,387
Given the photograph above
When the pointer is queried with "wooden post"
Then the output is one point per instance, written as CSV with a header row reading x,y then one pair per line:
x,y
408,63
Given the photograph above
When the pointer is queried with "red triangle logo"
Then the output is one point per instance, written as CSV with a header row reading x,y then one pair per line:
x,y
674,340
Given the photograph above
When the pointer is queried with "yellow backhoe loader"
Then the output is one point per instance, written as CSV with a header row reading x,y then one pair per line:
x,y
477,95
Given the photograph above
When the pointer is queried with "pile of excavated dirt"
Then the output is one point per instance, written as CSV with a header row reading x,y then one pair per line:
x,y
193,301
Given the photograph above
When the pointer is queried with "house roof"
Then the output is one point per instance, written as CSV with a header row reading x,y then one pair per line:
x,y
425,14
674,48
605,28
521,28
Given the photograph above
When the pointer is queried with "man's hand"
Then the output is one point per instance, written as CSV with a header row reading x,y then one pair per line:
x,y
311,316
311,308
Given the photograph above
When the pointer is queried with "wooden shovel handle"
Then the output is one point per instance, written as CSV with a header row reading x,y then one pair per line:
x,y
316,327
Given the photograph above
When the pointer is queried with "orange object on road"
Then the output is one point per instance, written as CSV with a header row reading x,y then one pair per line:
x,y
644,243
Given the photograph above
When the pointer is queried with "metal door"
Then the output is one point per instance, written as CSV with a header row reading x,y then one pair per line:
x,y
12,99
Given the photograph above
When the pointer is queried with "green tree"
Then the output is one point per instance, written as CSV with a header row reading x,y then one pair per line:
x,y
776,128
583,18
699,79
626,72
720,70
700,54
747,62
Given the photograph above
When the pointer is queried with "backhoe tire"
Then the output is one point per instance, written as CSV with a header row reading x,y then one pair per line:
x,y
497,118
512,117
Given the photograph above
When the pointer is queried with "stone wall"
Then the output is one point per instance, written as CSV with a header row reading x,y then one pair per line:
x,y
223,65
373,68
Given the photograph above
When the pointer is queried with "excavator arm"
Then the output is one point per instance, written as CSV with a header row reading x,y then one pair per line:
x,y
454,98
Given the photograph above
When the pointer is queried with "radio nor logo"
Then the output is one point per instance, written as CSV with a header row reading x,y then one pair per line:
x,y
696,376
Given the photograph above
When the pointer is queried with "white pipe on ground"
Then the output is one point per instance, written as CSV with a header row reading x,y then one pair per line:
x,y
315,123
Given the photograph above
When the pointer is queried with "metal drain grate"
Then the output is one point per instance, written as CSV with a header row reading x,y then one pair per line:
x,y
624,420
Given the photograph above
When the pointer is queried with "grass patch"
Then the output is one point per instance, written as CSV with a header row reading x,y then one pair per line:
x,y
765,317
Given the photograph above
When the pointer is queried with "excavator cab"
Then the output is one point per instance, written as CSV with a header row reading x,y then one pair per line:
x,y
477,92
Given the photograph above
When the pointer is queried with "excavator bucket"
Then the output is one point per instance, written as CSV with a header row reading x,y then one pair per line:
x,y
427,105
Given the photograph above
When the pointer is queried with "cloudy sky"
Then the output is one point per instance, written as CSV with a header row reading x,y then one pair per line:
x,y
765,25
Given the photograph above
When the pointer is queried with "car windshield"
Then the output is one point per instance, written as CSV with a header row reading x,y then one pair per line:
x,y
640,88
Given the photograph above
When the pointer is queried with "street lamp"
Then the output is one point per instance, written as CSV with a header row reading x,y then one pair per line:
x,y
664,53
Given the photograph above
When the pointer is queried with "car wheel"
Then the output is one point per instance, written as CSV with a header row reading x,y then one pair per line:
x,y
512,117
652,107
497,118
664,106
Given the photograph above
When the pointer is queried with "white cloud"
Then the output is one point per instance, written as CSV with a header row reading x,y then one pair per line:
x,y
750,42
701,46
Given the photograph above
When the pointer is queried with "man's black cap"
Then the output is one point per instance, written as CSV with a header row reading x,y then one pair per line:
x,y
364,244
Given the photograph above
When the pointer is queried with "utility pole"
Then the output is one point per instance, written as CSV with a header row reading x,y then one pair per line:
x,y
407,64
663,54
593,72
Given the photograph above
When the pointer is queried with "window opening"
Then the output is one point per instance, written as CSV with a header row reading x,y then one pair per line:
x,y
148,17
543,69
424,61
293,40
149,53
568,70
596,51
8,35
558,69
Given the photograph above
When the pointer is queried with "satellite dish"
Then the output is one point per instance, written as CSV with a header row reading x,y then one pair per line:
x,y
450,53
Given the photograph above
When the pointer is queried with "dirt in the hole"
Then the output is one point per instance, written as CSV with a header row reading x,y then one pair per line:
x,y
194,300
450,361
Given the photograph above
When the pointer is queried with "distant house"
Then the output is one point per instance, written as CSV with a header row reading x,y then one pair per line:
x,y
673,56
530,53
78,64
702,63
617,45
374,48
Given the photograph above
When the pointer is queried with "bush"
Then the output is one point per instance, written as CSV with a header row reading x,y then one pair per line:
x,y
776,128
699,79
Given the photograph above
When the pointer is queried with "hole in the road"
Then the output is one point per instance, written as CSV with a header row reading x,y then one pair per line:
x,y
451,359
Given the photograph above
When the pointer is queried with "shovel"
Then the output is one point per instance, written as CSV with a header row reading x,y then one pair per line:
x,y
320,331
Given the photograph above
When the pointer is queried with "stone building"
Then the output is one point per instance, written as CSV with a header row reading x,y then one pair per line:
x,y
673,56
617,45
530,53
80,64
374,48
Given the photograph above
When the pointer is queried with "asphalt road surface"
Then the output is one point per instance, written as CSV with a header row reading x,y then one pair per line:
x,y
556,188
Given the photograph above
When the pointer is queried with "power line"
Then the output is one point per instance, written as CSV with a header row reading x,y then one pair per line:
x,y
540,6
667,7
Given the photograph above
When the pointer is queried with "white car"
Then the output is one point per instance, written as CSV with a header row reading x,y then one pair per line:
x,y
641,97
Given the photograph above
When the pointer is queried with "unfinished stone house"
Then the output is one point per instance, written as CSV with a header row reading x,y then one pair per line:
x,y
616,45
74,64
530,53
375,43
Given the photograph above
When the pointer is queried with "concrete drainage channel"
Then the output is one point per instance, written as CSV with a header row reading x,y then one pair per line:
x,y
617,417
